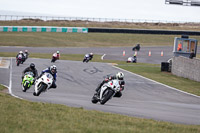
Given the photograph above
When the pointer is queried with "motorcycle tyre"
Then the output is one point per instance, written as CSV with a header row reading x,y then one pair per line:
x,y
94,99
25,87
18,62
106,96
41,88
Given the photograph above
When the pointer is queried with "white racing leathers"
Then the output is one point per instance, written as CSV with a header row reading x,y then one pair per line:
x,y
43,83
107,91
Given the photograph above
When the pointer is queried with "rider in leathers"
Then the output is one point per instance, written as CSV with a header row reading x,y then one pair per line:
x,y
32,69
22,55
53,71
119,76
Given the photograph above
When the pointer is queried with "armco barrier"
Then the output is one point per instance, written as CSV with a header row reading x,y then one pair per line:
x,y
42,29
143,31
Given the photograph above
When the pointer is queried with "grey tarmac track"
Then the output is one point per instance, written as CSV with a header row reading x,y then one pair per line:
x,y
141,97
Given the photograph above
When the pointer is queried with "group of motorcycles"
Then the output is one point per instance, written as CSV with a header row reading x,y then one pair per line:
x,y
42,84
107,91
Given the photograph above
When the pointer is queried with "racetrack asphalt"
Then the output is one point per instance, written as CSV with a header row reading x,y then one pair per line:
x,y
141,98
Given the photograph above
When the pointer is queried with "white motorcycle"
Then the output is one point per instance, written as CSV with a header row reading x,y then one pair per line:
x,y
108,90
43,83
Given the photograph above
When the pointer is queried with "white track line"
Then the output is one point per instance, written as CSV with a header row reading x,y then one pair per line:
x,y
10,83
103,56
158,83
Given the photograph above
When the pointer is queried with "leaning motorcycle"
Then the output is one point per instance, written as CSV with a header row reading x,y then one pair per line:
x,y
54,59
86,58
19,60
107,91
25,56
27,81
43,83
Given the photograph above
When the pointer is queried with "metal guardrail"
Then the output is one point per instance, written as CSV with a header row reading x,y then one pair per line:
x,y
53,18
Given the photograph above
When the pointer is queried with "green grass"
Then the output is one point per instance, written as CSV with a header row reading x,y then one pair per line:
x,y
21,116
2,87
82,40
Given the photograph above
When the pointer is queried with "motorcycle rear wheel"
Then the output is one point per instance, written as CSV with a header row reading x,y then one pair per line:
x,y
94,99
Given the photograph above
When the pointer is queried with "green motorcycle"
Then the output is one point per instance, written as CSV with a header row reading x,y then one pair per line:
x,y
27,81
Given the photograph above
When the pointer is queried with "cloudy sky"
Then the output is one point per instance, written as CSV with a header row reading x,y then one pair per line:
x,y
122,9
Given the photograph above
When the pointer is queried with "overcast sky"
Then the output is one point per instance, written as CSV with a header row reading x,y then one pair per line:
x,y
122,9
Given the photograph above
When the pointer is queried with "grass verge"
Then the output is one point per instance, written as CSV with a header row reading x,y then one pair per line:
x,y
20,116
84,40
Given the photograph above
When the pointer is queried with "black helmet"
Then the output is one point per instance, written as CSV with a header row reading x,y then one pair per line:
x,y
32,66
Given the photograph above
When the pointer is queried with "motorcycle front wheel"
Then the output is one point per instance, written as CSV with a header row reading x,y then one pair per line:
x,y
106,96
25,86
42,87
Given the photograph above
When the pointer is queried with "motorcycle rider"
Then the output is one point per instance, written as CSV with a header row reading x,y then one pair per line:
x,y
22,56
32,69
119,76
53,71
137,47
56,56
88,56
26,54
132,59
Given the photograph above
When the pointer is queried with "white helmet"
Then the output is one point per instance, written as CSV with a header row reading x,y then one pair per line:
x,y
53,69
20,52
120,75
91,53
58,52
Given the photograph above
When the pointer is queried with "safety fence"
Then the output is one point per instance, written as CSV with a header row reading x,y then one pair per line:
x,y
42,29
86,19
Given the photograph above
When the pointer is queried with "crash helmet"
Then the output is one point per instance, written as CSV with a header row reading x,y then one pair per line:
x,y
58,52
26,51
53,69
120,76
20,52
32,66
91,53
